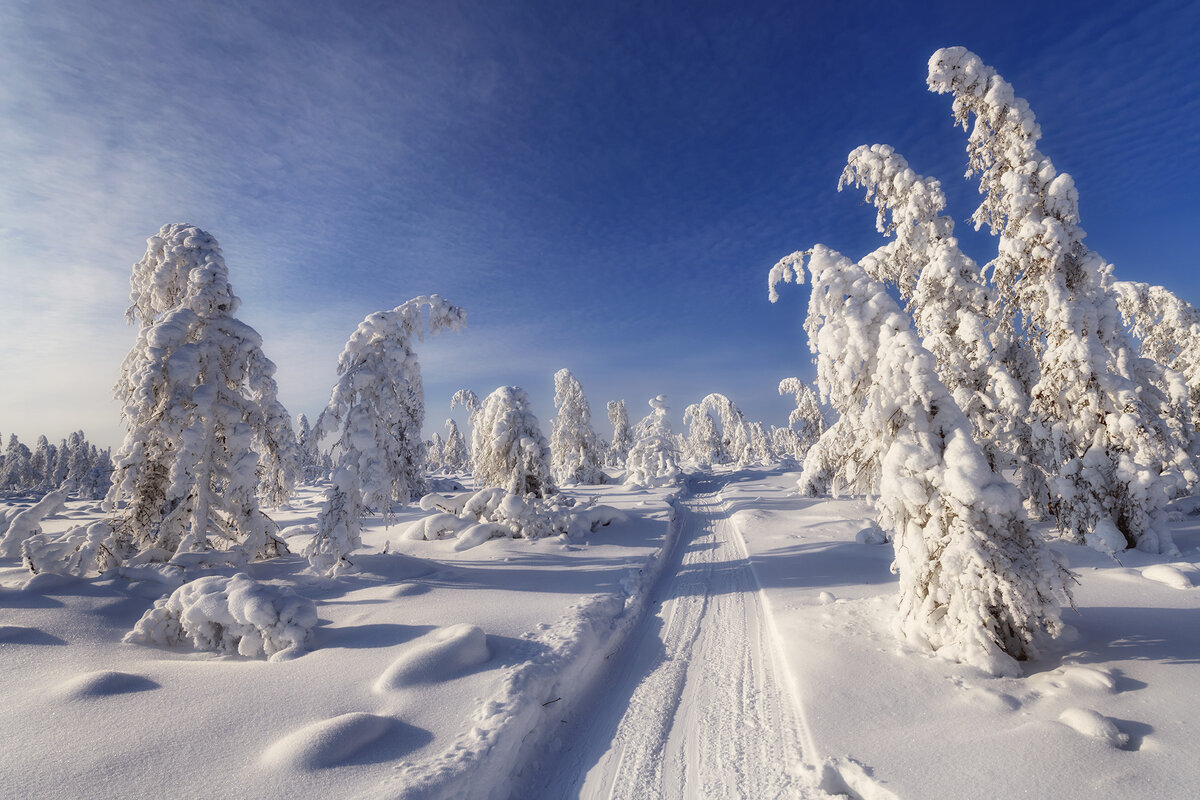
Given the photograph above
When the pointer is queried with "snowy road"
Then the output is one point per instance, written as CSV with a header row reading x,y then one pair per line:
x,y
694,705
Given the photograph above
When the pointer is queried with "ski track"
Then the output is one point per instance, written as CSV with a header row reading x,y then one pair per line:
x,y
696,704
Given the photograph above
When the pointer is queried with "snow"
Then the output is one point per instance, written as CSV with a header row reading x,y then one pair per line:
x,y
525,668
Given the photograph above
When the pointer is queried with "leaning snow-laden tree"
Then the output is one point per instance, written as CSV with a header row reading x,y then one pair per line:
x,y
953,307
1107,454
622,438
205,428
470,402
576,455
654,458
508,450
454,452
377,406
734,434
806,418
975,586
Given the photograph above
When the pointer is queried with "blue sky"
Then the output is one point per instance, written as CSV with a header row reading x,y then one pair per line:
x,y
603,186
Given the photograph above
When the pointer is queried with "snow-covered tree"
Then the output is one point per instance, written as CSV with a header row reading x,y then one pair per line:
x,y
759,449
1168,331
975,586
622,438
508,450
377,407
309,452
17,472
732,444
576,455
1095,434
469,401
654,457
702,444
953,306
41,464
435,450
806,418
455,457
200,409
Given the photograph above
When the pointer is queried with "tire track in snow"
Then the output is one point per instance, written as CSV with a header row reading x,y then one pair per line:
x,y
695,704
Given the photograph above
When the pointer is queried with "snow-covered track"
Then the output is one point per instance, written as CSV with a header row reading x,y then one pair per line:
x,y
694,704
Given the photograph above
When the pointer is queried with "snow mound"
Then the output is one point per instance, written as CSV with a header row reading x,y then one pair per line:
x,y
1074,677
19,634
1093,724
845,776
1168,575
230,615
871,533
104,683
328,742
437,656
1105,538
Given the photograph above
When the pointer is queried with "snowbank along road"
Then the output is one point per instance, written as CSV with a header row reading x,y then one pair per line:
x,y
695,704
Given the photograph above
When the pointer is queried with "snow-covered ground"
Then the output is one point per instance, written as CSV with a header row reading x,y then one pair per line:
x,y
731,642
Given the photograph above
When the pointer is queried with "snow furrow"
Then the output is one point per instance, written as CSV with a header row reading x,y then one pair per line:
x,y
694,705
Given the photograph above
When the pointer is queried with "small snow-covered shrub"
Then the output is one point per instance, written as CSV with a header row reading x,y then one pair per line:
x,y
494,513
81,550
27,523
229,615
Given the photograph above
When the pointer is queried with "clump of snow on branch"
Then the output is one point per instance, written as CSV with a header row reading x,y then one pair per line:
x,y
654,458
377,409
576,454
230,615
206,432
508,450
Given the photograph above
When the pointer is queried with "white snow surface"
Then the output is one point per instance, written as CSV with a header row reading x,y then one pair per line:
x,y
733,642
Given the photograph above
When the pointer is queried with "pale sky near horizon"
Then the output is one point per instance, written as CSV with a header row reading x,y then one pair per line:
x,y
603,186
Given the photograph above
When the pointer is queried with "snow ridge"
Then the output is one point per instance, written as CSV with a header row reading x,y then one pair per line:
x,y
512,726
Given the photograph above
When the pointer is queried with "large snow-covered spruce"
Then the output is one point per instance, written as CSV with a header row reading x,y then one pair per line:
x,y
975,586
508,450
377,409
205,429
575,451
654,458
1096,431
